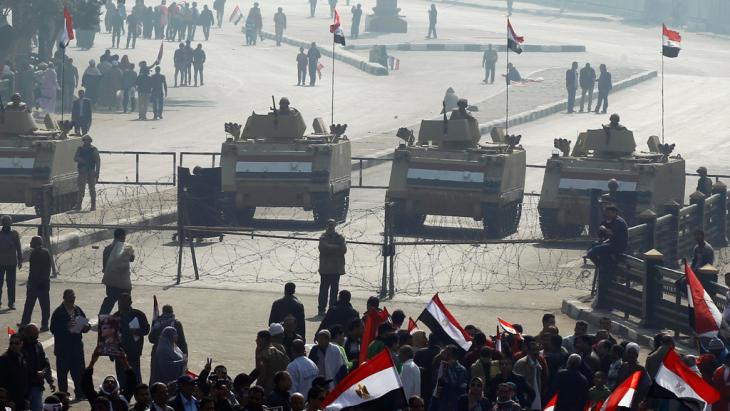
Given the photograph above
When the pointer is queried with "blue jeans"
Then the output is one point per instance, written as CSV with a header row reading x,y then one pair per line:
x,y
158,104
7,273
71,361
112,296
35,397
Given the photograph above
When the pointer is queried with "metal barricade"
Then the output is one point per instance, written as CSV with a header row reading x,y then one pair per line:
x,y
137,155
213,156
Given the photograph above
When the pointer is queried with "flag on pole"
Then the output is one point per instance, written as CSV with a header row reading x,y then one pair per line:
x,y
336,29
671,42
374,385
683,384
159,54
155,307
550,406
236,16
372,322
513,40
411,325
623,395
67,34
498,342
704,317
442,322
10,332
320,66
507,327
191,374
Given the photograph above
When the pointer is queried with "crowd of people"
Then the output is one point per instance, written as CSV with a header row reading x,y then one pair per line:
x,y
586,80
510,370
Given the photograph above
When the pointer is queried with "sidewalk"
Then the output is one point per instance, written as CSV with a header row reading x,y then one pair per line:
x,y
530,8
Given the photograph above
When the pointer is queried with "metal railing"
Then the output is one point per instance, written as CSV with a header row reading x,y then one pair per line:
x,y
137,155
213,156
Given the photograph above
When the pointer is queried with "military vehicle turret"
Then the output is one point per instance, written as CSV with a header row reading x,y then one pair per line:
x,y
447,172
643,180
271,162
33,159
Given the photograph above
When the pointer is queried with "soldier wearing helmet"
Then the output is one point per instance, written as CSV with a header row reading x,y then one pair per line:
x,y
614,123
16,103
285,108
460,112
88,165
704,184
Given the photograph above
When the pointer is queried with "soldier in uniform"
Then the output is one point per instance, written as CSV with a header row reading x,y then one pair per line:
x,y
460,112
89,165
284,107
16,104
704,184
614,123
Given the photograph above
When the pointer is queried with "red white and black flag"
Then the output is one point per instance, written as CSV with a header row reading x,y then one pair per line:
x,y
507,327
704,317
514,42
441,322
623,395
372,322
681,383
158,61
374,385
67,33
236,16
671,42
336,29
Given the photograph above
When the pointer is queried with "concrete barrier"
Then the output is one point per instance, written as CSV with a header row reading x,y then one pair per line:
x,y
472,47
345,56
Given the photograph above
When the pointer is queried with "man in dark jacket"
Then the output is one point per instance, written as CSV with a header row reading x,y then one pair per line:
x,y
14,372
424,360
570,380
179,61
81,114
332,249
523,393
167,319
613,235
133,326
604,88
69,346
286,305
313,56
11,258
279,25
39,283
356,16
278,399
341,314
185,398
587,83
39,368
129,79
571,84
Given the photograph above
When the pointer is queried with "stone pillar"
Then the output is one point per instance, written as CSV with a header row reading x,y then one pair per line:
x,y
672,253
707,275
699,199
648,217
652,288
721,189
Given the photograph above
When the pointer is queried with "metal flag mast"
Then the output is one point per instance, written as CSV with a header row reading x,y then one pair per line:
x,y
332,108
661,50
506,105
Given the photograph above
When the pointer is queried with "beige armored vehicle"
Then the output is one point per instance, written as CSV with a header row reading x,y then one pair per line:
x,y
32,159
447,172
646,180
272,163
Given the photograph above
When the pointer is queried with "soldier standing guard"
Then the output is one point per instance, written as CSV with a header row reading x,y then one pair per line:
x,y
704,184
89,165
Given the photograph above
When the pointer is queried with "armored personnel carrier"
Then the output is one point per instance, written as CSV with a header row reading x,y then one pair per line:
x,y
33,159
643,180
272,163
446,171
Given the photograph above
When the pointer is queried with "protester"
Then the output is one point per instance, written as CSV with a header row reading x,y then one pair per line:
x,y
81,114
11,258
206,20
523,393
489,63
328,358
168,360
289,304
571,84
432,17
38,284
179,60
253,24
49,87
129,80
68,323
158,93
604,88
185,398
313,56
39,368
587,84
144,89
133,328
198,61
332,249
269,361
356,17
279,25
613,239
116,269
14,372
410,373
340,314
301,67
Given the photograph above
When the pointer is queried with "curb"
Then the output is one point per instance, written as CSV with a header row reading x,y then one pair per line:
x,y
344,56
558,106
578,310
471,47
548,13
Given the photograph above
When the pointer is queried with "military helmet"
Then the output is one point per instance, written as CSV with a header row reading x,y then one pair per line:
x,y
87,137
702,170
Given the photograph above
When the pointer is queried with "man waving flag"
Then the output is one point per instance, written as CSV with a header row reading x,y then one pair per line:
x,y
704,317
671,42
441,322
67,34
514,42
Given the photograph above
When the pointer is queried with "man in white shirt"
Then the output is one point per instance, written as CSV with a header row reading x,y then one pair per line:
x,y
328,358
301,369
410,374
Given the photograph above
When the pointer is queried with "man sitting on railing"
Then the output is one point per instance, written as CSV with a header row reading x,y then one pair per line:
x,y
613,235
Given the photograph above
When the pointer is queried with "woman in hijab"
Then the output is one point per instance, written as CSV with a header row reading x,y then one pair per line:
x,y
111,82
49,88
109,392
90,81
168,360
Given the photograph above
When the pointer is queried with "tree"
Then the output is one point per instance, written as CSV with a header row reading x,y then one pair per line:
x,y
31,18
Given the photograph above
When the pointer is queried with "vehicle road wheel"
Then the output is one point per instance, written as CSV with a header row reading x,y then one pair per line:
x,y
404,222
323,209
245,216
342,202
551,229
493,221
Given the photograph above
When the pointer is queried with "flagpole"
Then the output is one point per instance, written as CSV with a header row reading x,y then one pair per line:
x,y
332,109
506,105
662,51
63,78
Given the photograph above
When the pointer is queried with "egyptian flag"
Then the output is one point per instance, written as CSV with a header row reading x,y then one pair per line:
x,y
374,385
236,16
411,326
671,42
513,40
550,406
507,327
372,322
67,34
441,322
158,61
704,317
336,29
623,395
682,383
10,332
191,374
